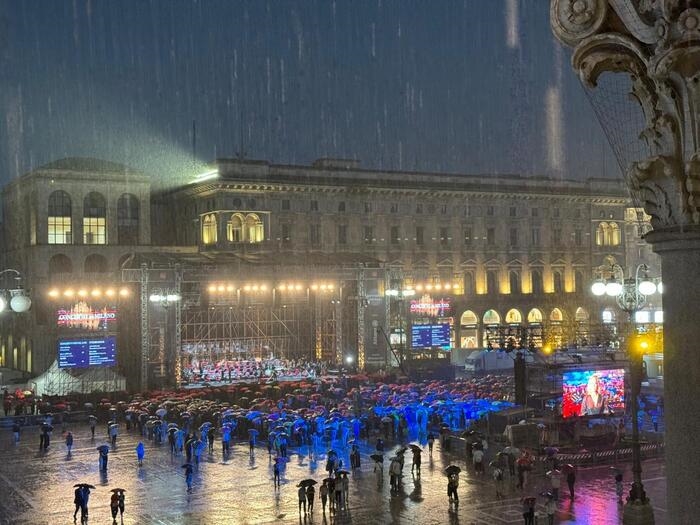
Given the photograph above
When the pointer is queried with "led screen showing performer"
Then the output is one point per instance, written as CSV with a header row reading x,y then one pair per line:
x,y
593,393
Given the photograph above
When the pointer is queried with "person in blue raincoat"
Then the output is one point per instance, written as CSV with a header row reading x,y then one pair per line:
x,y
140,452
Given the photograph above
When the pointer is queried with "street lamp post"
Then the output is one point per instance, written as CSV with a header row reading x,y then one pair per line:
x,y
19,301
631,294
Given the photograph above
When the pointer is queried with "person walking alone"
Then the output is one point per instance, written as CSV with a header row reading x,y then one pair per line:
x,y
323,492
69,442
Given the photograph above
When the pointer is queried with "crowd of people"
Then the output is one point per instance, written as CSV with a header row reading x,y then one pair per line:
x,y
320,413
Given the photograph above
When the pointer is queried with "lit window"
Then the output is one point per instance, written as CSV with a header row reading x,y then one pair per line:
x,y
234,228
94,219
254,231
209,235
59,219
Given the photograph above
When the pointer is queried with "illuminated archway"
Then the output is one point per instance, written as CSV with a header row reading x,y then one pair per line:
x,y
535,316
514,317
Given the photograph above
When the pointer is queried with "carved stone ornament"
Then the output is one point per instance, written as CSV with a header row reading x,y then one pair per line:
x,y
656,43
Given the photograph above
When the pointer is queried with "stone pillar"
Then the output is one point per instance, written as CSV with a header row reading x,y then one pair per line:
x,y
657,44
680,256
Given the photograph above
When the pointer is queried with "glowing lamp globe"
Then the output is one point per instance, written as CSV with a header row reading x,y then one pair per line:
x,y
613,288
20,303
598,288
646,287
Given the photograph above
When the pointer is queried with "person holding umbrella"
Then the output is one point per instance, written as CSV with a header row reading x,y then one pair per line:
x,y
417,451
82,496
114,504
78,500
453,483
310,494
431,442
378,462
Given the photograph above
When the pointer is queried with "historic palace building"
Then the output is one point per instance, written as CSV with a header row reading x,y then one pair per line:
x,y
327,261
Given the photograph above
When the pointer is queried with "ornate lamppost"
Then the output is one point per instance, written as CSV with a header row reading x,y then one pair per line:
x,y
630,294
19,301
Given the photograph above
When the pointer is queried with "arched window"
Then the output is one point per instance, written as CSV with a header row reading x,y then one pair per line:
x,y
601,234
209,234
556,316
514,277
492,281
579,284
558,281
537,284
234,228
95,263
59,218
59,264
534,316
491,317
469,318
514,317
94,219
581,315
128,219
468,283
614,234
254,228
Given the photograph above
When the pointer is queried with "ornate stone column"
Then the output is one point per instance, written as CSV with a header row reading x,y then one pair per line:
x,y
657,43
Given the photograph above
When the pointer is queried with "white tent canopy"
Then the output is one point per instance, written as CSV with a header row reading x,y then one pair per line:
x,y
58,382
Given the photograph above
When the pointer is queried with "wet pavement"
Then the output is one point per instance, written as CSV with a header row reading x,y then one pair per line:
x,y
37,488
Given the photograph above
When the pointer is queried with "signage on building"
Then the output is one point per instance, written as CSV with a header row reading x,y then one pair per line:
x,y
81,316
429,307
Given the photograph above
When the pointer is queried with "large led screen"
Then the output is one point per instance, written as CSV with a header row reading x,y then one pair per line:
x,y
85,317
83,353
430,336
593,393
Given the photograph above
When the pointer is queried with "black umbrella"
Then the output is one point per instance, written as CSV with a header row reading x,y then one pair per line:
x,y
416,448
117,490
342,471
379,458
103,448
172,430
307,482
84,485
452,469
401,450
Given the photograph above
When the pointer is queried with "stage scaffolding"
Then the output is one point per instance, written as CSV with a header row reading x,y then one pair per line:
x,y
311,324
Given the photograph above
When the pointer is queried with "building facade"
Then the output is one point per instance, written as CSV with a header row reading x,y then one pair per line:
x,y
364,255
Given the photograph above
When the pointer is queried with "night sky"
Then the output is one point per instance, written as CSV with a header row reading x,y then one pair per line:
x,y
478,86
